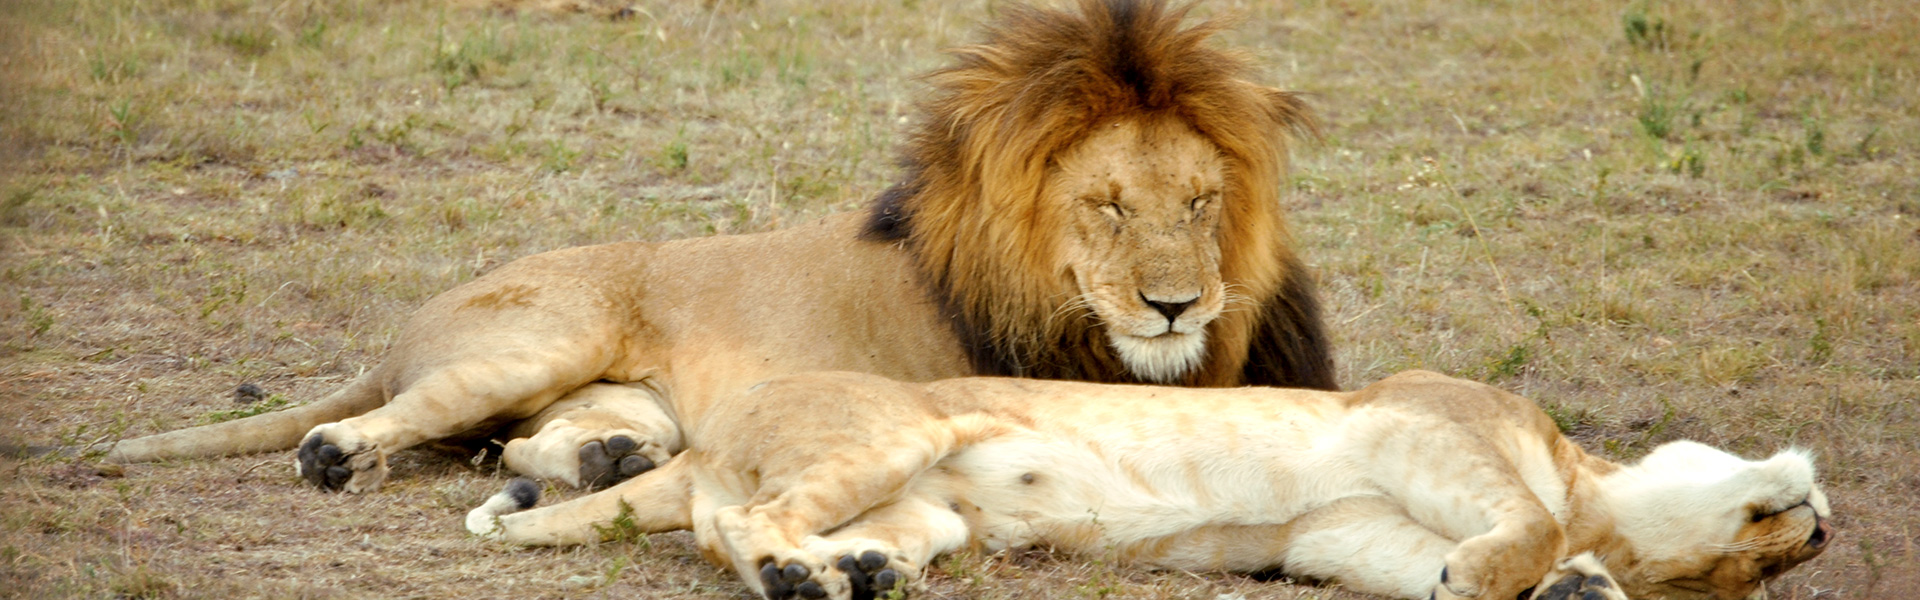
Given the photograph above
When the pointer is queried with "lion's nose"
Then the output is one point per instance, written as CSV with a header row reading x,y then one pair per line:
x,y
1171,310
1821,534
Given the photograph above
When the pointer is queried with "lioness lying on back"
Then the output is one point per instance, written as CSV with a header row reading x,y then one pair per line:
x,y
843,485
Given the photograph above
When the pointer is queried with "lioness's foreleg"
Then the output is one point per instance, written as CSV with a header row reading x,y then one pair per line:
x,y
1473,493
1371,544
886,548
1368,544
767,539
595,436
656,501
351,454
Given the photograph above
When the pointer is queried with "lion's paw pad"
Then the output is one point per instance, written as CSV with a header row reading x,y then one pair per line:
x,y
869,574
324,464
606,463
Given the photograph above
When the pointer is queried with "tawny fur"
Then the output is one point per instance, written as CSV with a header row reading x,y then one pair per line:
x,y
1381,489
1088,196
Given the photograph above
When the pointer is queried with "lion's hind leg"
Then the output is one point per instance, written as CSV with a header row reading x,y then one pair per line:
x,y
595,436
442,402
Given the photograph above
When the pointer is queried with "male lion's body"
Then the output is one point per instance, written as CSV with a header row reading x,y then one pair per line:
x,y
664,318
1383,489
1087,196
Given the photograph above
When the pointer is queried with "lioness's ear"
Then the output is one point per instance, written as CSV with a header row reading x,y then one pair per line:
x,y
1291,113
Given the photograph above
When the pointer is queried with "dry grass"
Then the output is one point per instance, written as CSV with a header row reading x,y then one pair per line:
x,y
1660,221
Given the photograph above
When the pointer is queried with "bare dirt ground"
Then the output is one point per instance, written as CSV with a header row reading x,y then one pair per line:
x,y
1659,220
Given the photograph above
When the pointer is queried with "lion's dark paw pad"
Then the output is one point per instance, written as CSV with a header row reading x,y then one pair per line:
x,y
621,445
596,468
323,464
810,590
603,464
634,464
869,574
782,584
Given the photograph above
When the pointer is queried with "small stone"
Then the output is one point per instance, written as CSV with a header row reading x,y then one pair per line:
x,y
248,393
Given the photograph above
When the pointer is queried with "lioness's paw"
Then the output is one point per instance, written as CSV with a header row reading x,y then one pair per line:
x,y
793,580
618,459
1580,577
335,458
1458,583
871,575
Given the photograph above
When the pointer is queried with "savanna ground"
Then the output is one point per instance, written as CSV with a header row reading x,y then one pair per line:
x,y
1659,220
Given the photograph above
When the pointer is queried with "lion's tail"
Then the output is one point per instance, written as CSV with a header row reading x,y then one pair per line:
x,y
267,432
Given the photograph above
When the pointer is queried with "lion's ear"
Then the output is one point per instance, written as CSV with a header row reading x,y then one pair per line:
x,y
1291,113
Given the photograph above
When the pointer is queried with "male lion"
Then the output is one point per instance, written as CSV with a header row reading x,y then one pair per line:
x,y
1086,196
845,485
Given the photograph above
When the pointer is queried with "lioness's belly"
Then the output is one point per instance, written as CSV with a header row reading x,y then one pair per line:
x,y
1086,495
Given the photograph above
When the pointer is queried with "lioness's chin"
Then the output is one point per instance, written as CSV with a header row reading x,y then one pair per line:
x,y
1162,358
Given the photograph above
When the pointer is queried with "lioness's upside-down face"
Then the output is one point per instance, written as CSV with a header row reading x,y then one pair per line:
x,y
1144,198
1714,525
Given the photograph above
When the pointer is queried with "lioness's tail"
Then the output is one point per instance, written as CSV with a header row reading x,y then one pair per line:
x,y
277,430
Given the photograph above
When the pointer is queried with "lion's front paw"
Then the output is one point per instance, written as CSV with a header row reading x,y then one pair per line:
x,y
618,459
1580,577
335,458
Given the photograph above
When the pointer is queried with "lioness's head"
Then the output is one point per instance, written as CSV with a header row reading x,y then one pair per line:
x,y
1707,524
1094,196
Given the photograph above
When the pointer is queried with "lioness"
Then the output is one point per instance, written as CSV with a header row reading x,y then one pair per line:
x,y
845,485
1086,196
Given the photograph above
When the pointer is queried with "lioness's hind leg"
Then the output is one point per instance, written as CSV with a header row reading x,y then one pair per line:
x,y
595,436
